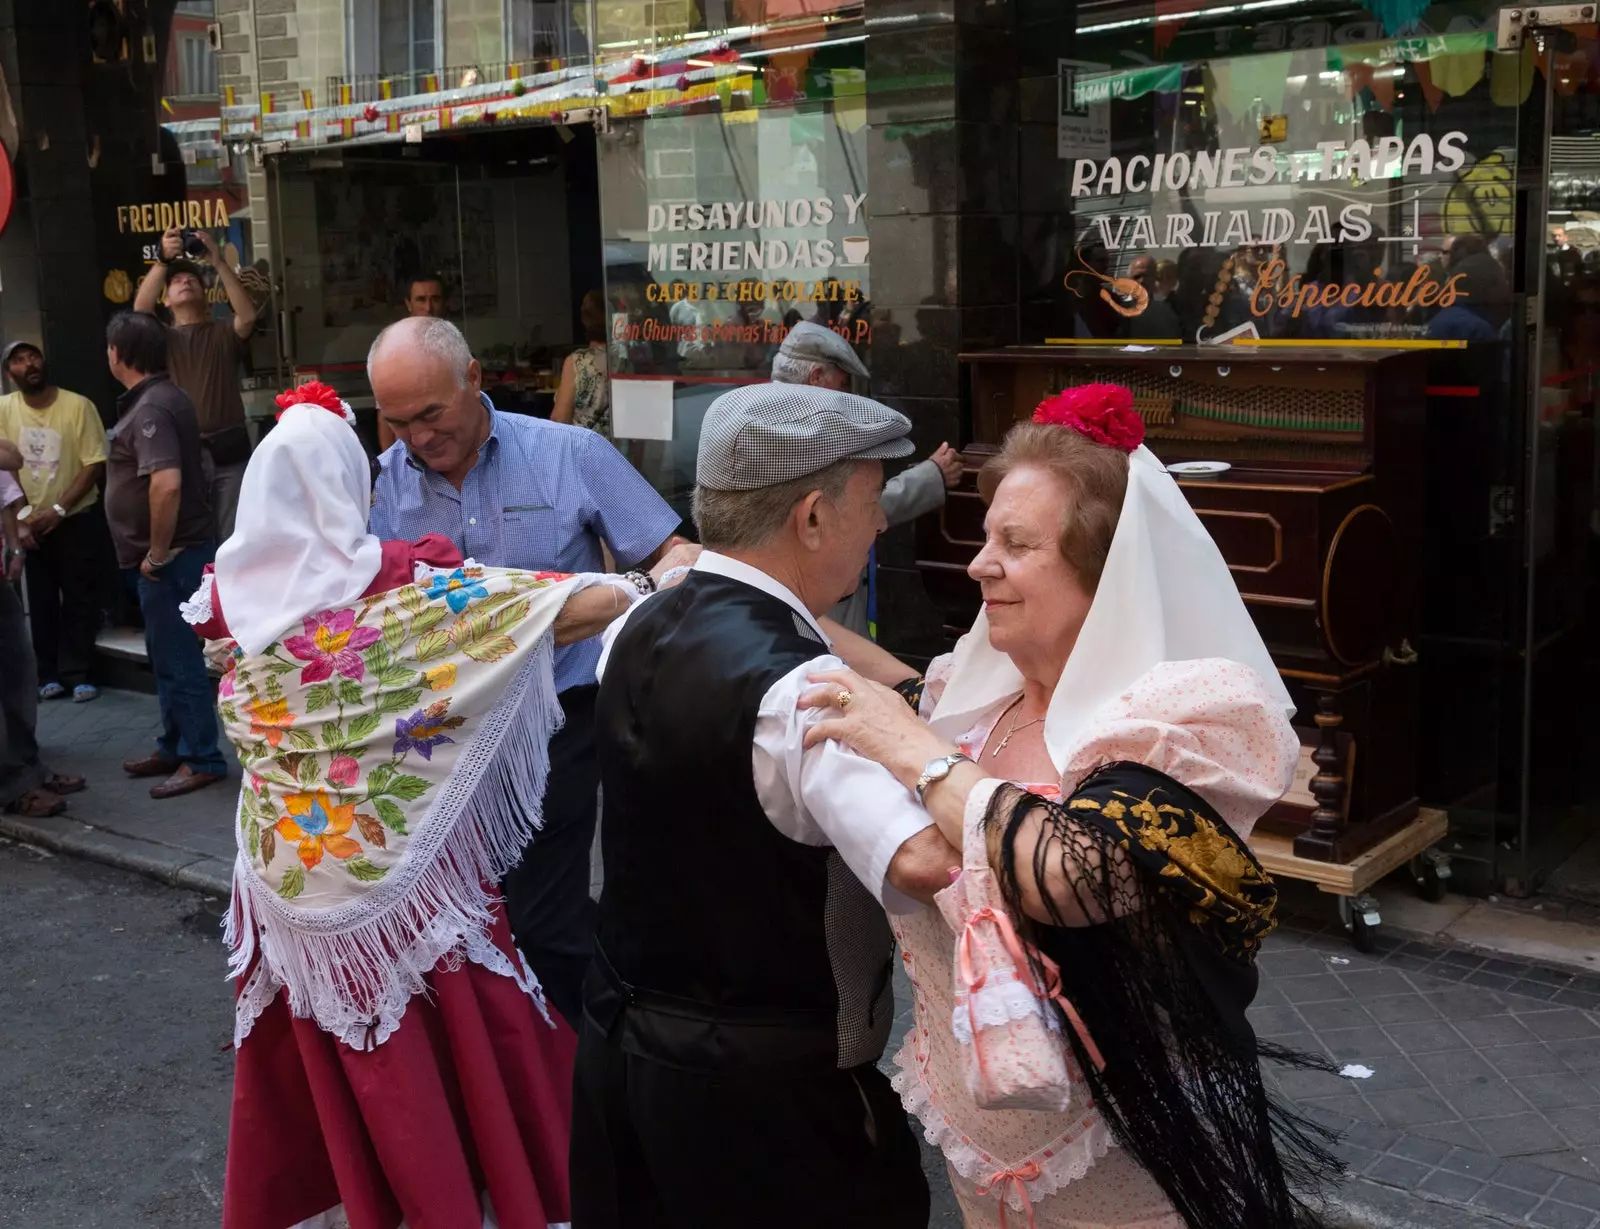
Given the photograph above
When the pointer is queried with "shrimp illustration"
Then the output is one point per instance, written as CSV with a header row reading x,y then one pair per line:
x,y
1126,295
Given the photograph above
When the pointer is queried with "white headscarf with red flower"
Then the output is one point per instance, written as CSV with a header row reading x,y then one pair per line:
x,y
1166,595
300,542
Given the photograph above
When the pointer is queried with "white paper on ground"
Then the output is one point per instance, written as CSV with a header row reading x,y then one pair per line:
x,y
1355,1071
641,409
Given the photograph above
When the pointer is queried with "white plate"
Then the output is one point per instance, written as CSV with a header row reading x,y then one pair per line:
x,y
1198,469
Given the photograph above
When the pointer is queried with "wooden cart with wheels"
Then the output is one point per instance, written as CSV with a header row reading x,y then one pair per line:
x,y
1410,846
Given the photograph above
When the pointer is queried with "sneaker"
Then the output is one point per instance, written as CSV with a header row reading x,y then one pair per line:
x,y
84,692
52,691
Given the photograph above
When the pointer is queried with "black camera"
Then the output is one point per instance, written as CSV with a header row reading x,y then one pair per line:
x,y
193,246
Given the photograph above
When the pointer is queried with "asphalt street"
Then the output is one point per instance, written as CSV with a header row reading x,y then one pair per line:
x,y
115,1059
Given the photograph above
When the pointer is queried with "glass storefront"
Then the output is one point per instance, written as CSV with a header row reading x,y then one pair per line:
x,y
1140,174
725,222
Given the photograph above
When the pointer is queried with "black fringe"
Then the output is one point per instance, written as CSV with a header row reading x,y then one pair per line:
x,y
1161,969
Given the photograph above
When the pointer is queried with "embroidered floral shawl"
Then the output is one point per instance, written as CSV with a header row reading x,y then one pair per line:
x,y
394,755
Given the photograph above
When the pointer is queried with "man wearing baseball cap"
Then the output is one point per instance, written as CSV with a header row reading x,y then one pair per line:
x,y
740,994
815,355
64,451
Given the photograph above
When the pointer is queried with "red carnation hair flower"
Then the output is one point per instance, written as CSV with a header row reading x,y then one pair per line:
x,y
1103,412
313,393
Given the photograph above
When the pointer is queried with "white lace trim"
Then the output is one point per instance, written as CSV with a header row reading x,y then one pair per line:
x,y
996,1004
432,907
1071,1159
197,609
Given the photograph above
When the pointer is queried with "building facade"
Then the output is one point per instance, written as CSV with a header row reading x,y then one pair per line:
x,y
932,178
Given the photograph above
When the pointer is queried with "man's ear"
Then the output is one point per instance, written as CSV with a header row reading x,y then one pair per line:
x,y
807,520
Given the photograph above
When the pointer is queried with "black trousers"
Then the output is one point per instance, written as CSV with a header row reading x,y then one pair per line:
x,y
548,904
663,1145
66,589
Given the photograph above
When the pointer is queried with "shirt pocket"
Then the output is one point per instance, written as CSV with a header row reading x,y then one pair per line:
x,y
532,536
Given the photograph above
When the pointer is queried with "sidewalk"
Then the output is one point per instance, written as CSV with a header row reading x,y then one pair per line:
x,y
1482,1109
185,841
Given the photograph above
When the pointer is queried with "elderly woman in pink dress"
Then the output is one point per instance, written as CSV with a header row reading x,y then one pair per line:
x,y
1098,748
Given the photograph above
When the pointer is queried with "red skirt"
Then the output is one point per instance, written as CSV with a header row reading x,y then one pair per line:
x,y
471,1097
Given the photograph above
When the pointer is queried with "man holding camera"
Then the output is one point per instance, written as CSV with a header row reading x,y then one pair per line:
x,y
203,356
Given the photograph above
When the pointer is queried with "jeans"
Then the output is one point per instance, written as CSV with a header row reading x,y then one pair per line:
x,y
188,704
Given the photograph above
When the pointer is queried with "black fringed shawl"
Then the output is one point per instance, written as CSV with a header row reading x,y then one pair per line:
x,y
1163,986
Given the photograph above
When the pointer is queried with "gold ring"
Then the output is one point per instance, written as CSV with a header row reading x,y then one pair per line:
x,y
843,698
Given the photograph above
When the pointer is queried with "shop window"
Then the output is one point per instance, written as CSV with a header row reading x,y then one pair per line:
x,y
723,226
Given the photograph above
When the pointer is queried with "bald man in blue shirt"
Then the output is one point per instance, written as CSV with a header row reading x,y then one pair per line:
x,y
519,492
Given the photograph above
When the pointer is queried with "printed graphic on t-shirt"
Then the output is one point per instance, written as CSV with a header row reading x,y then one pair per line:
x,y
41,453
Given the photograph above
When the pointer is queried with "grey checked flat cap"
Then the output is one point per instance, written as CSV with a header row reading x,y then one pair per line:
x,y
822,345
763,434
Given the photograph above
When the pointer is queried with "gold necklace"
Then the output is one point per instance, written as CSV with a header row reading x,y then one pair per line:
x,y
994,752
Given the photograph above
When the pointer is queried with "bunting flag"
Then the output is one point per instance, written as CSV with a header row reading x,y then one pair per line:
x,y
386,89
227,96
430,83
344,94
1397,16
307,102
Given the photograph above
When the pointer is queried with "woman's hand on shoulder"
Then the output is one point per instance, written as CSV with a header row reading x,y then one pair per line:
x,y
874,721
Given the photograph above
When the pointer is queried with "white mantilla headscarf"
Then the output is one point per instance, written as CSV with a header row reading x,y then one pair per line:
x,y
1166,595
300,542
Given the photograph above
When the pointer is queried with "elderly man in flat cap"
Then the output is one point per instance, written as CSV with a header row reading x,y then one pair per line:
x,y
815,355
740,995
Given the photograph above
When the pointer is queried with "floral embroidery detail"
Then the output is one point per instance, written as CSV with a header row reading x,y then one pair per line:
x,y
424,730
315,824
440,678
332,641
457,588
343,771
269,719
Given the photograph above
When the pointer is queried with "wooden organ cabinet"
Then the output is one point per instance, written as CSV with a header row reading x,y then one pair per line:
x,y
1319,519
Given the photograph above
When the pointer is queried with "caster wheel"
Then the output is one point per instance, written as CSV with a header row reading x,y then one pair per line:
x,y
1360,917
1430,870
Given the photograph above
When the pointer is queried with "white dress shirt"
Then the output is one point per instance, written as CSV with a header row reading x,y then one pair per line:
x,y
827,795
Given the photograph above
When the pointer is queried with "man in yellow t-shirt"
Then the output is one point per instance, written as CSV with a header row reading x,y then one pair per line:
x,y
63,445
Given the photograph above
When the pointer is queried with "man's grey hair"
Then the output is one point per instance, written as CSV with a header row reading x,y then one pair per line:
x,y
745,520
786,369
435,337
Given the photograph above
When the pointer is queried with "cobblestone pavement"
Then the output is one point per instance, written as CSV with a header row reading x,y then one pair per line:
x,y
1484,1098
1485,1085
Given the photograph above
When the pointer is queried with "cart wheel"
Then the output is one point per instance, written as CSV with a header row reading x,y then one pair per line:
x,y
1431,871
1360,917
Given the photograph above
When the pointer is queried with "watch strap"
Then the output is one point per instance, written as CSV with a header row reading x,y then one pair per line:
x,y
936,771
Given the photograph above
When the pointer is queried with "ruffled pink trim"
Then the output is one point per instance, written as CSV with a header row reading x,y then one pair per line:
x,y
1062,1160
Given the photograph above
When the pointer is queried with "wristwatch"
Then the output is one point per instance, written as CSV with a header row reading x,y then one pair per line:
x,y
936,771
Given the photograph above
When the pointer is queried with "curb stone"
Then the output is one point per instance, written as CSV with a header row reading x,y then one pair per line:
x,y
1361,1204
179,868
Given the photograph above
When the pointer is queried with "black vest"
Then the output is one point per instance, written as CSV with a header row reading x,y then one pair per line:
x,y
707,907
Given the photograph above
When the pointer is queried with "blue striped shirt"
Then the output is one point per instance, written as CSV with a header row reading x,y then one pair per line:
x,y
542,496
